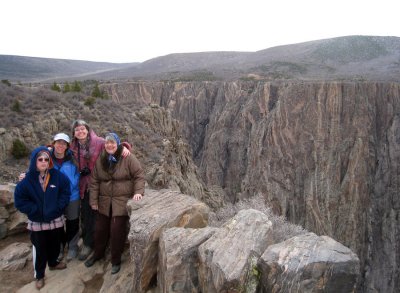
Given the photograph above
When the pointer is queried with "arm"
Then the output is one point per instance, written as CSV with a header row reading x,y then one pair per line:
x,y
65,192
23,202
137,174
126,150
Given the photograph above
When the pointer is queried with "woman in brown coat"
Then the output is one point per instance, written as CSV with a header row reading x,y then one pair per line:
x,y
114,181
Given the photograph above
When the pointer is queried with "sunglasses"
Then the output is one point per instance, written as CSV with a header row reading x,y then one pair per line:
x,y
43,159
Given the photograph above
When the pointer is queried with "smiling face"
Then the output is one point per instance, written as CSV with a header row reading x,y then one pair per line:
x,y
42,163
81,132
60,146
111,147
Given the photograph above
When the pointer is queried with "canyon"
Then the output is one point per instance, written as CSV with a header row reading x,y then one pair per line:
x,y
325,155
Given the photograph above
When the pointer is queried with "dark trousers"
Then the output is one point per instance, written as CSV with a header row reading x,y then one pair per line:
x,y
46,247
88,217
70,235
113,229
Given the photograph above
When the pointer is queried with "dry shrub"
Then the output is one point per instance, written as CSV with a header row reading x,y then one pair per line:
x,y
282,229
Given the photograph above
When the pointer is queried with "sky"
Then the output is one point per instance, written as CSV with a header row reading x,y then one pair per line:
x,y
122,31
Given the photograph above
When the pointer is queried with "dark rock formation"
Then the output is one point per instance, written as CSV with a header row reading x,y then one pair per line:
x,y
324,154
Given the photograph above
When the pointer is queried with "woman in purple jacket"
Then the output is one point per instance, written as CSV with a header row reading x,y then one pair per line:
x,y
86,147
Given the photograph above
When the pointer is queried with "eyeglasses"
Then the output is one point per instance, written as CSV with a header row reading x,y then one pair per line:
x,y
43,159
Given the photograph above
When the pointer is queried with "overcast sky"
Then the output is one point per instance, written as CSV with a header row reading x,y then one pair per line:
x,y
135,31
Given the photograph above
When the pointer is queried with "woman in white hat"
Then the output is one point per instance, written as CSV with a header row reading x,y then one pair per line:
x,y
64,161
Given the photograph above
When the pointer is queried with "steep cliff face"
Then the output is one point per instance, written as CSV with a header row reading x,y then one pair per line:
x,y
324,154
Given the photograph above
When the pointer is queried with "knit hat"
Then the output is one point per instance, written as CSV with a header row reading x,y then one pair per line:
x,y
114,137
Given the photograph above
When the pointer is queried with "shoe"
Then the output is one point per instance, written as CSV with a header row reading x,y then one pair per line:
x,y
72,253
59,266
115,268
61,255
40,284
90,262
85,252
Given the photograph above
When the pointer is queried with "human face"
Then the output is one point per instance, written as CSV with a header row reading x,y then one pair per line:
x,y
42,163
60,146
81,132
110,146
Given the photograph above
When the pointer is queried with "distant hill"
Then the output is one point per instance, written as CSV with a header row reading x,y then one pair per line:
x,y
21,68
342,58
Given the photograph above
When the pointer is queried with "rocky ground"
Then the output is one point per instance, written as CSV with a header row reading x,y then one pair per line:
x,y
11,281
22,281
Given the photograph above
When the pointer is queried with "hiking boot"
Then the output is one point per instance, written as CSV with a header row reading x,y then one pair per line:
x,y
85,252
72,253
40,283
115,268
59,266
90,262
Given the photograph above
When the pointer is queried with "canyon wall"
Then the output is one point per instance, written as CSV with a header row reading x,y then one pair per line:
x,y
323,154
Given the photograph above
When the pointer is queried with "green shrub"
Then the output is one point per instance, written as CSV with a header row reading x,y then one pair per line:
x,y
19,149
56,87
90,101
5,81
76,87
16,106
67,88
96,91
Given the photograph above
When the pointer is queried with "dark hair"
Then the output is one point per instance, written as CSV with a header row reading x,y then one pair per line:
x,y
79,122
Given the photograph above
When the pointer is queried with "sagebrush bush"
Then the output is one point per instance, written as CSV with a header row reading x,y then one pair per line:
x,y
282,229
19,150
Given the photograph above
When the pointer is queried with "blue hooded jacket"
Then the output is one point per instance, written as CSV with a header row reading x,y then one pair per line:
x,y
38,205
69,169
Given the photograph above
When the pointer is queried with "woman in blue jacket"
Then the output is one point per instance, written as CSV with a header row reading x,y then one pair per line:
x,y
64,161
43,195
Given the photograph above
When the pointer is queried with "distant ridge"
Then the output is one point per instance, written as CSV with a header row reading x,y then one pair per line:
x,y
342,58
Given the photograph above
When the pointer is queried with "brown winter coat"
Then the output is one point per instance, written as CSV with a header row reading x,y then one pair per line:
x,y
114,186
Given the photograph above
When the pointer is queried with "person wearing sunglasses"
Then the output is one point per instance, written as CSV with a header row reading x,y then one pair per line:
x,y
43,195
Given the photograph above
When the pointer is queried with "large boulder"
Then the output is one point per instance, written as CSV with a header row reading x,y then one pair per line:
x,y
309,263
157,211
229,258
11,220
179,261
15,256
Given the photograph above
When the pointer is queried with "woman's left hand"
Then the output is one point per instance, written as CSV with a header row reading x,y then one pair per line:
x,y
125,152
137,196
